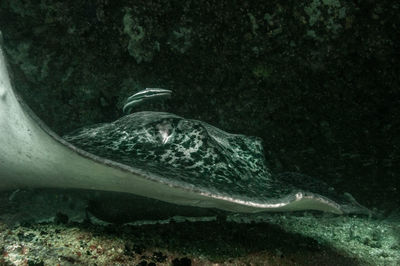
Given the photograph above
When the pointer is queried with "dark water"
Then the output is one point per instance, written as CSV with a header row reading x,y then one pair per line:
x,y
317,81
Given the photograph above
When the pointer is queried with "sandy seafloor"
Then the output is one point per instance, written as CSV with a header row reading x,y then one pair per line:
x,y
53,228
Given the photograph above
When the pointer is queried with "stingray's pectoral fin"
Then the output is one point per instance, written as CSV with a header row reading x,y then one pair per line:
x,y
311,201
296,201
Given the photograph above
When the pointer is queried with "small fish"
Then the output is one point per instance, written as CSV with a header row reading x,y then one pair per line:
x,y
144,96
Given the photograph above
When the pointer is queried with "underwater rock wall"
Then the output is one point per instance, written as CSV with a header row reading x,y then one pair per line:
x,y
316,80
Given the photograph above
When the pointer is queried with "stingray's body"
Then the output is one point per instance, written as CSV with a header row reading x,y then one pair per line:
x,y
156,155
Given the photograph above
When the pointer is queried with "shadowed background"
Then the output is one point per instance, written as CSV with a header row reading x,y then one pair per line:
x,y
318,81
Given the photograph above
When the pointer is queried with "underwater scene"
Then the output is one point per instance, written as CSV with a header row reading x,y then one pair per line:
x,y
199,132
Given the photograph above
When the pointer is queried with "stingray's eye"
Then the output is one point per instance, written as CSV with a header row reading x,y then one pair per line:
x,y
185,125
165,132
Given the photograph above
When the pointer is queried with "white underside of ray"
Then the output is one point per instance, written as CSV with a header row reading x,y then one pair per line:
x,y
31,156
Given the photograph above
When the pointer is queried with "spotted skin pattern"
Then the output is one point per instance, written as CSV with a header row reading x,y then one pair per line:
x,y
193,154
183,150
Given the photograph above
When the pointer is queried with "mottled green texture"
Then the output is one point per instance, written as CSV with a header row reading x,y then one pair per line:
x,y
318,80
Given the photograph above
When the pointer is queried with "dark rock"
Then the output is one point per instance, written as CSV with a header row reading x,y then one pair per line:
x,y
142,263
61,218
35,263
182,262
159,257
25,237
131,249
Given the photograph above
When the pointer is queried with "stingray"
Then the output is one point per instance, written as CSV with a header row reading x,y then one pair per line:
x,y
156,155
